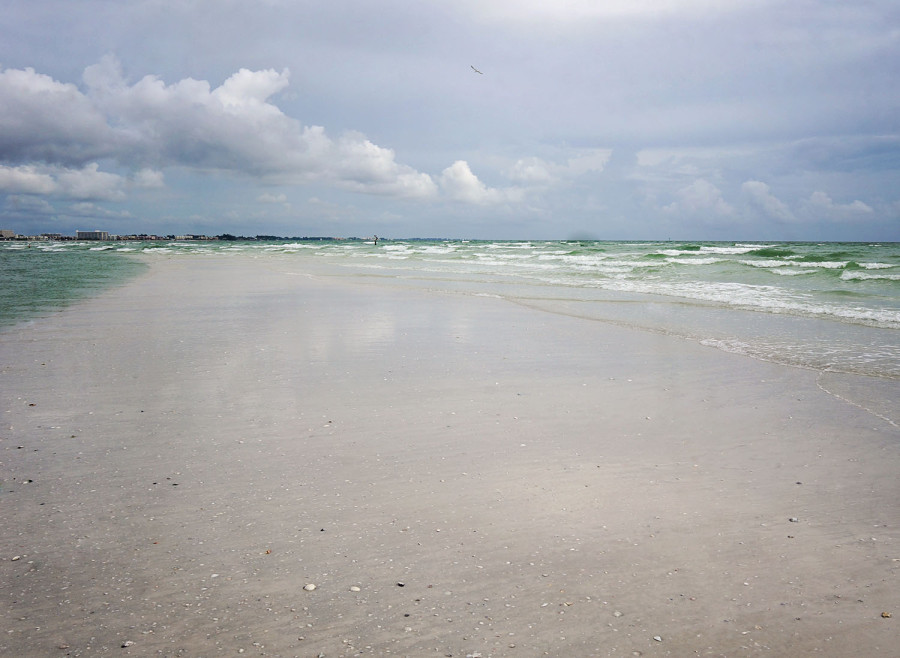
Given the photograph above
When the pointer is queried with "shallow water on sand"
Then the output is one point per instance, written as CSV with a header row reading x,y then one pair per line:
x,y
832,307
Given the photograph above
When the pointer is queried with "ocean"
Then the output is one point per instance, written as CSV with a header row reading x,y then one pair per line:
x,y
38,278
832,307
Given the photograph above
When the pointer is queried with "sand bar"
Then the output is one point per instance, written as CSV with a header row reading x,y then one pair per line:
x,y
457,476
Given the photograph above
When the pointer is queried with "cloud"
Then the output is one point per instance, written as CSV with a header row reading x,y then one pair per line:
x,y
847,153
820,206
148,178
251,89
42,120
594,160
26,180
536,171
86,183
26,205
760,198
272,198
92,210
459,183
279,199
151,125
355,163
700,198
90,183
533,171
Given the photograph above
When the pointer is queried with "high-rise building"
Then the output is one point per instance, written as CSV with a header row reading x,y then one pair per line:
x,y
91,235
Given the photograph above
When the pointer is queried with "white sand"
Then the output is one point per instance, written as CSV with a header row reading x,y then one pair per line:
x,y
181,455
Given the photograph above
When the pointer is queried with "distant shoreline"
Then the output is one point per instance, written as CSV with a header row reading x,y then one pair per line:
x,y
224,237
10,236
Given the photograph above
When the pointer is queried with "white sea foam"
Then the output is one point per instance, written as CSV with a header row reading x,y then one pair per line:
x,y
300,245
510,245
694,261
728,345
856,275
764,263
728,251
708,249
828,265
790,271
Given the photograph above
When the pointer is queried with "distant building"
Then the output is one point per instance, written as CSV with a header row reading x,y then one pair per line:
x,y
91,235
6,234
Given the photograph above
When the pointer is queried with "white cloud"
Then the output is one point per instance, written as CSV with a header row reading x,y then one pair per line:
x,y
26,179
150,125
89,183
700,198
251,89
280,199
536,171
760,198
356,163
821,206
460,184
532,171
149,178
85,183
42,120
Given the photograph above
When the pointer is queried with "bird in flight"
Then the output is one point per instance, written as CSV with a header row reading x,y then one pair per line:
x,y
476,70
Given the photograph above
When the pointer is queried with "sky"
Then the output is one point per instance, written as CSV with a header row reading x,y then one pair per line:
x,y
482,119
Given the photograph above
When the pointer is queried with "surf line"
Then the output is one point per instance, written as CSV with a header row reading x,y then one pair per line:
x,y
849,401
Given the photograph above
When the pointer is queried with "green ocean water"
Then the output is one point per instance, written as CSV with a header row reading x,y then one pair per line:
x,y
37,280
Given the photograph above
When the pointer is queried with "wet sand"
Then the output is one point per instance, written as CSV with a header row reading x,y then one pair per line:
x,y
457,475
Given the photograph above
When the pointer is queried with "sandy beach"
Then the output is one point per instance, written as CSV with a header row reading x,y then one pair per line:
x,y
184,457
